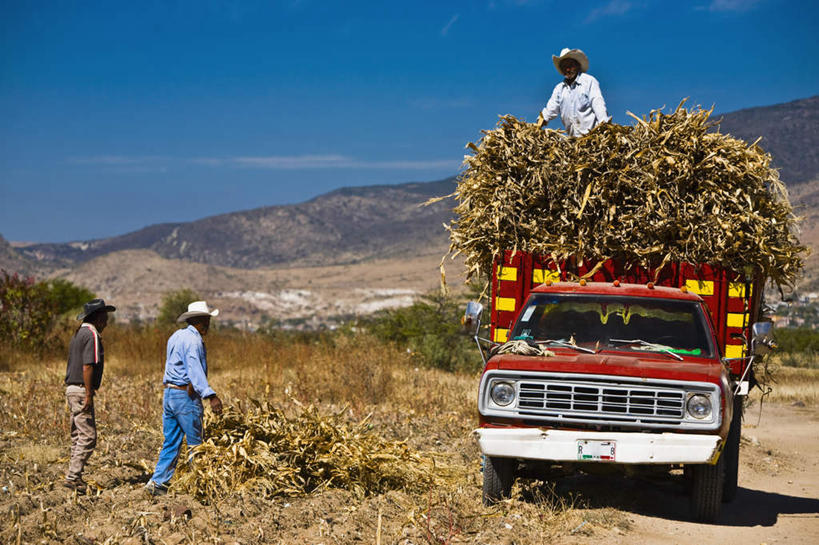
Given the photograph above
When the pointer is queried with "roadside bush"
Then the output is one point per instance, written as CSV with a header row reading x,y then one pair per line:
x,y
36,318
430,330
175,303
797,346
27,312
68,297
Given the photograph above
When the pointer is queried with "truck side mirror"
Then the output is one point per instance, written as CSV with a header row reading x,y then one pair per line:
x,y
472,318
762,338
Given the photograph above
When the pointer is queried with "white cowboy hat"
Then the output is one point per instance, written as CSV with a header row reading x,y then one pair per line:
x,y
197,308
576,54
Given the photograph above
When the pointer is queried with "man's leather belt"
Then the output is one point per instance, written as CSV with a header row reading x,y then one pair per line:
x,y
175,387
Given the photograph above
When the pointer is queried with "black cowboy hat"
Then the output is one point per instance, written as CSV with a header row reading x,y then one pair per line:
x,y
93,306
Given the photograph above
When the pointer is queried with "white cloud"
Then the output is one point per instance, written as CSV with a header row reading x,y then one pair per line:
x,y
452,21
275,162
269,162
113,160
732,5
610,9
290,162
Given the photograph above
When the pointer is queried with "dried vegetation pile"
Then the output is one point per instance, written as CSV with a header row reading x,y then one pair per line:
x,y
664,190
266,453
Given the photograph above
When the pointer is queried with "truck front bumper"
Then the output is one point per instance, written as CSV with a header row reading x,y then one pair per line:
x,y
631,448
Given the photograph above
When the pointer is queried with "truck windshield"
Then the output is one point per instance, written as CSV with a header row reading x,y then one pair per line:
x,y
604,322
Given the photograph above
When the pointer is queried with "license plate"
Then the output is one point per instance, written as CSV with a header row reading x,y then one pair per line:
x,y
596,451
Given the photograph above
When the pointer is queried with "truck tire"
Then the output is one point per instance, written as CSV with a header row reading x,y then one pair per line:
x,y
731,453
498,477
706,490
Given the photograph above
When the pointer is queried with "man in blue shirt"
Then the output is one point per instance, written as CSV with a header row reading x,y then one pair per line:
x,y
186,384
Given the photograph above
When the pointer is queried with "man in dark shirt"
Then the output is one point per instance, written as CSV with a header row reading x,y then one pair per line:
x,y
83,376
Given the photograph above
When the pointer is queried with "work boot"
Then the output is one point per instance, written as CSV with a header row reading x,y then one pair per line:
x,y
155,489
77,485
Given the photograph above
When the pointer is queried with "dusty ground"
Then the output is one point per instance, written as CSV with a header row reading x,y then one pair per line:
x,y
777,502
778,499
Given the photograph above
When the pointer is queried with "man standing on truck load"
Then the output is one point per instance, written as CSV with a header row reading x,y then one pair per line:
x,y
577,99
83,376
186,384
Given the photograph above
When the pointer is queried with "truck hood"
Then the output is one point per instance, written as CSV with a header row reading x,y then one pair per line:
x,y
640,366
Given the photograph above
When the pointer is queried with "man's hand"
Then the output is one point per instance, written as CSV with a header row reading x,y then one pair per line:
x,y
89,403
540,121
215,404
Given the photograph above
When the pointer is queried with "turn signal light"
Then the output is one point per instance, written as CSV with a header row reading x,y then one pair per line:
x,y
650,285
684,289
582,281
616,283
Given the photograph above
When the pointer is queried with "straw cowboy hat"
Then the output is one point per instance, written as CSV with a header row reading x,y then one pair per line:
x,y
576,54
93,306
197,308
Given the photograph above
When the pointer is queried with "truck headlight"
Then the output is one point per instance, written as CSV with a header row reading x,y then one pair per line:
x,y
502,393
699,406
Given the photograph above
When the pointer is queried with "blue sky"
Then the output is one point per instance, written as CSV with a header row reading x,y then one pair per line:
x,y
118,115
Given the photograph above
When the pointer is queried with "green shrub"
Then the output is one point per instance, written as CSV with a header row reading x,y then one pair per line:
x,y
68,297
175,303
430,330
797,339
27,312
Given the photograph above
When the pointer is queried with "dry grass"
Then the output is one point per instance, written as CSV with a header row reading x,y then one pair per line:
x,y
792,385
357,378
354,377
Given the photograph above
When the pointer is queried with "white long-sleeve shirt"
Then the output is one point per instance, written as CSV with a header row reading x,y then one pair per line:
x,y
580,105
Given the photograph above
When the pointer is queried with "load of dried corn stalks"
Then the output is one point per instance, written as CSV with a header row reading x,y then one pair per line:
x,y
263,452
664,190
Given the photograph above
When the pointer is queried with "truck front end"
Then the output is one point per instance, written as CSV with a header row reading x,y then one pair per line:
x,y
605,374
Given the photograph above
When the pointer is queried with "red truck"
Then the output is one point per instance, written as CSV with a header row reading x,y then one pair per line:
x,y
627,366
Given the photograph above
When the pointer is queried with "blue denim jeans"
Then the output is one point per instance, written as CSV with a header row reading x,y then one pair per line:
x,y
181,416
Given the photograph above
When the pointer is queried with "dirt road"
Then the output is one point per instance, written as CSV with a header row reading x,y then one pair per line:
x,y
778,499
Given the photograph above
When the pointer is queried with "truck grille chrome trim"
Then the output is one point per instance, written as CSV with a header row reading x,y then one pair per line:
x,y
601,400
593,398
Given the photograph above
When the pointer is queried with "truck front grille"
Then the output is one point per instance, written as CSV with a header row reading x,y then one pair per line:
x,y
600,400
579,398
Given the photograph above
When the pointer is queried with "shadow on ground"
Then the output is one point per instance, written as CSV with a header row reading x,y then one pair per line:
x,y
666,497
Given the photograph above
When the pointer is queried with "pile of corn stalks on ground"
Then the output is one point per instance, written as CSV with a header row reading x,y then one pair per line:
x,y
263,452
663,190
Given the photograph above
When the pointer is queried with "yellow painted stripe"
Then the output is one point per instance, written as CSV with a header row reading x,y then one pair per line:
x,y
734,351
736,289
539,276
735,320
700,287
501,335
504,303
508,273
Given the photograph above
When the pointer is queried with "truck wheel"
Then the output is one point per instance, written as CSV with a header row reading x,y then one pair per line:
x,y
731,453
706,490
498,477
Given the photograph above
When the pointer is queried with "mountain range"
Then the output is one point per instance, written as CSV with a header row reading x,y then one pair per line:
x,y
346,230
347,225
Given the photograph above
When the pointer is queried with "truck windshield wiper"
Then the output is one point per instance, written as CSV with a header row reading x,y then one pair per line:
x,y
641,342
565,344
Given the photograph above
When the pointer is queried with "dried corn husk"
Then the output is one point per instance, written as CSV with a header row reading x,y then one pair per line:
x,y
664,190
263,452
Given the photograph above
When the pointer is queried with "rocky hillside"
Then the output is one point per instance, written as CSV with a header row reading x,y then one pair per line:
x,y
790,133
11,261
345,226
356,224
